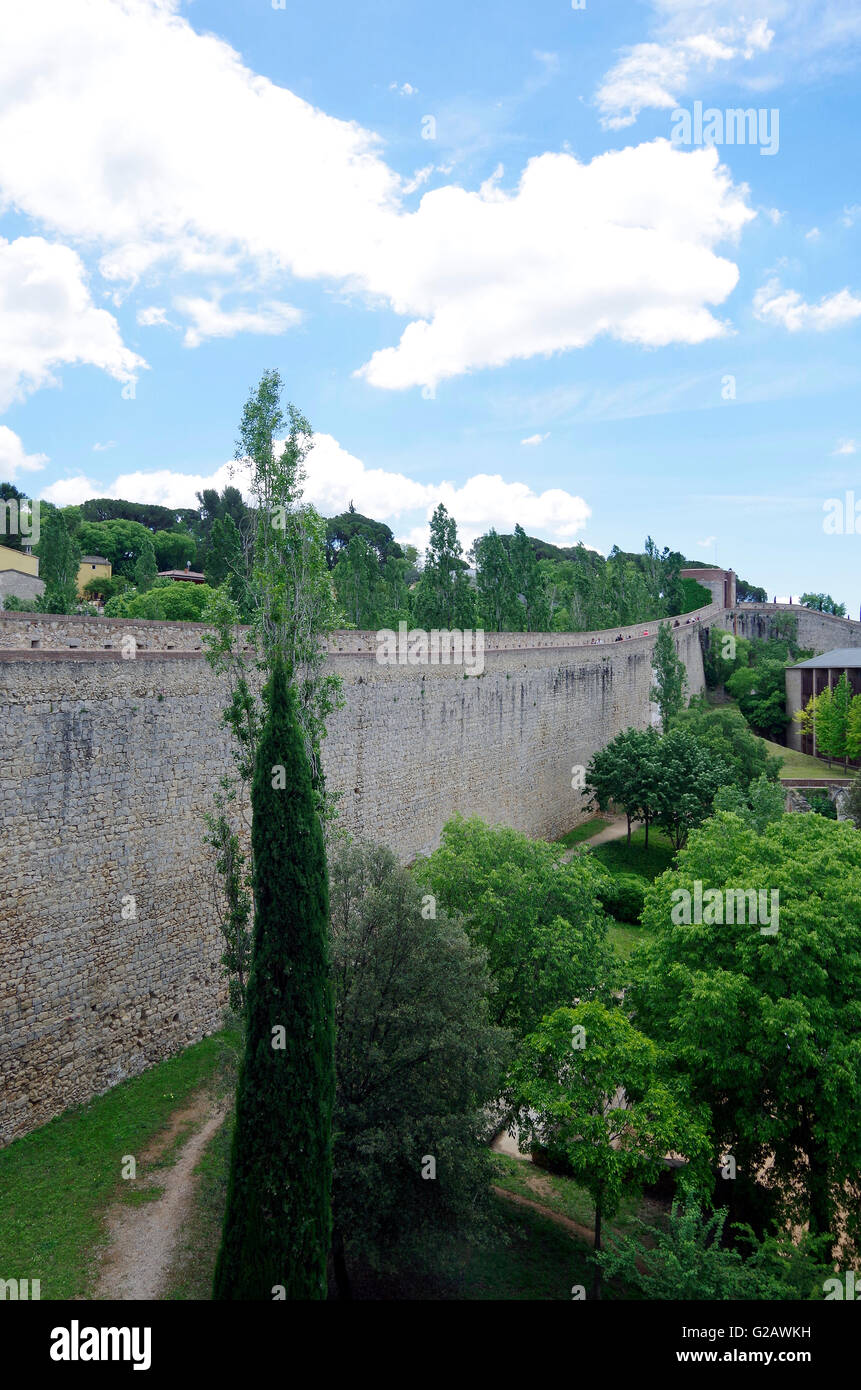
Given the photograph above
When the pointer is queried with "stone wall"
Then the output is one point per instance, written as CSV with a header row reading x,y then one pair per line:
x,y
109,951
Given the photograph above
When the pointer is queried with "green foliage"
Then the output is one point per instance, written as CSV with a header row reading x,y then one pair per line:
x,y
687,1261
760,805
443,597
761,694
174,549
725,733
417,1059
823,603
499,608
590,1088
694,596
146,570
749,593
766,1027
538,918
120,542
59,557
340,530
12,604
726,653
668,692
623,895
359,583
821,803
621,774
177,601
686,776
148,514
277,1220
531,607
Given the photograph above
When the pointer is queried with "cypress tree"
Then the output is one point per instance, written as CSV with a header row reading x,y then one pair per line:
x,y
277,1220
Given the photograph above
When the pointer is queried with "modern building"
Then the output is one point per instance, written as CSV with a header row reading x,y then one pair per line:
x,y
19,575
92,567
720,583
807,678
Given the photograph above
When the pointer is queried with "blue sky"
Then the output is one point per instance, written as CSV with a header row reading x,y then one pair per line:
x,y
453,229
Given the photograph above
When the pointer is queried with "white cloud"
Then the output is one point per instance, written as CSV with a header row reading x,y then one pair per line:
x,y
335,478
209,320
813,234
535,438
102,448
774,215
656,75
846,446
47,320
623,246
152,317
772,303
14,458
707,543
404,89
851,215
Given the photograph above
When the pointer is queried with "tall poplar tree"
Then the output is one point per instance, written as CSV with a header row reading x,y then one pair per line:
x,y
277,1221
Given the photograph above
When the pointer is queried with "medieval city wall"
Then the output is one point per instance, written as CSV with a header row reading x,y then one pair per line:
x,y
109,948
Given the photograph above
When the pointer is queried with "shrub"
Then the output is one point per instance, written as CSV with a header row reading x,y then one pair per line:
x,y
623,895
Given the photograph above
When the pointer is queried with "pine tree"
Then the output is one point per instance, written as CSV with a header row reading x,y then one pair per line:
x,y
277,1220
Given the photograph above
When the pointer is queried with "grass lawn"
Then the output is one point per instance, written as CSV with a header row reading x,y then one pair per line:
x,y
560,1194
534,1259
619,857
624,936
582,832
56,1183
797,764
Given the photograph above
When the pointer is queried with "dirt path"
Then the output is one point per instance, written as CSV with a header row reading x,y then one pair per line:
x,y
615,830
572,1227
143,1239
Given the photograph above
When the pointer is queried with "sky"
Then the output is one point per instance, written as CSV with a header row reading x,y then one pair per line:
x,y
525,260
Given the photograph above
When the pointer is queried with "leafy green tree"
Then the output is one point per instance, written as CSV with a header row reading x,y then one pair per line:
x,y
538,918
146,570
823,603
725,654
686,1260
174,550
443,598
685,778
340,530
724,731
761,694
841,703
225,562
589,1087
417,1060
11,534
358,583
763,1024
498,604
59,557
668,692
527,585
853,728
121,542
760,805
621,774
277,1222
749,593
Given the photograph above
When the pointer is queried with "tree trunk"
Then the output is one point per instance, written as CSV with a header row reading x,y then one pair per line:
x,y
596,1278
339,1265
647,832
628,814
